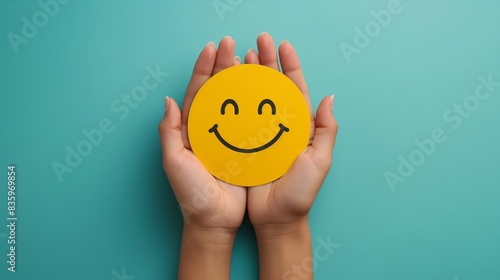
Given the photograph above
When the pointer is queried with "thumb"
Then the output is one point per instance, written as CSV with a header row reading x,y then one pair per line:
x,y
325,132
170,129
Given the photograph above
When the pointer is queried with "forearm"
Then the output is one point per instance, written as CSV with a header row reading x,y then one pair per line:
x,y
285,251
205,253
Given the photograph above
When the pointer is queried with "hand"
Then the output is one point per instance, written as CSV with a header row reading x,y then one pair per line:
x,y
212,210
205,201
289,199
279,210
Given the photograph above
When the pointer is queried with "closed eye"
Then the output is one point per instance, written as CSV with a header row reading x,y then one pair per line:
x,y
270,103
232,102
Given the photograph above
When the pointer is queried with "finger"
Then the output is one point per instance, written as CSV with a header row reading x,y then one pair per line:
x,y
170,130
236,60
325,134
201,73
267,51
225,55
252,57
290,64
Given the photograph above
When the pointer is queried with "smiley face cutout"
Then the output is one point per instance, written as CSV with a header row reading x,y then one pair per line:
x,y
282,129
247,124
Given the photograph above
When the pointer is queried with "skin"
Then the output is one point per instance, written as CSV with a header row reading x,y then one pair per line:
x,y
213,210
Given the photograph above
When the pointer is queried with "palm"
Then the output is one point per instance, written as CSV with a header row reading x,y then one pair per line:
x,y
205,200
290,196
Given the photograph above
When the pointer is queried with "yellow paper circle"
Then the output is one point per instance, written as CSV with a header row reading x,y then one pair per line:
x,y
247,124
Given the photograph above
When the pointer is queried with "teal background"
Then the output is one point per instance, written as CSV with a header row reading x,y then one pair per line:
x,y
116,209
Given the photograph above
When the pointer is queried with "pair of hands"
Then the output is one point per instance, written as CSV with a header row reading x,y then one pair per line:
x,y
217,208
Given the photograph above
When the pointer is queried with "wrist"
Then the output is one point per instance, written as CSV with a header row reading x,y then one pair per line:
x,y
285,250
290,228
205,253
209,238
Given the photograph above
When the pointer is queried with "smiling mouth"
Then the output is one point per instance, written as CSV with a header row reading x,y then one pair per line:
x,y
253,150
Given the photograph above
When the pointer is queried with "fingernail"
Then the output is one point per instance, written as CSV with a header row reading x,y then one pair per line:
x,y
237,58
227,37
211,44
263,33
167,101
332,101
285,42
251,50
